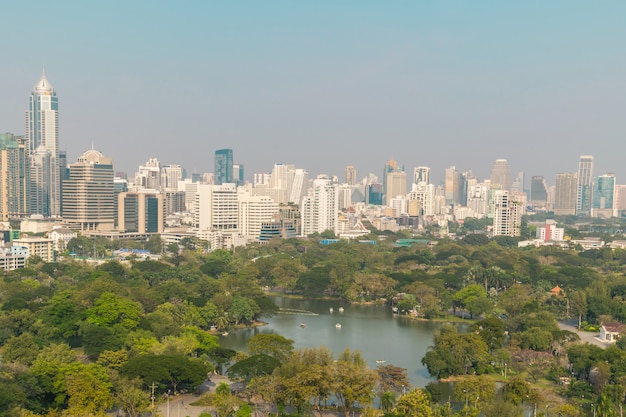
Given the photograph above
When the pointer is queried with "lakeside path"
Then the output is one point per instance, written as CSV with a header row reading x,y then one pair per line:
x,y
589,337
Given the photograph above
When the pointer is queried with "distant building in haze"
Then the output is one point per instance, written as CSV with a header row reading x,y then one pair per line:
x,y
538,191
350,175
421,174
604,197
565,194
584,196
396,185
451,185
500,174
223,166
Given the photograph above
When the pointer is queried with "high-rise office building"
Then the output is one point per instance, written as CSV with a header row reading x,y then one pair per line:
x,y
517,185
88,194
396,185
350,174
254,210
500,174
216,208
451,185
538,190
140,212
565,194
14,177
374,194
42,133
603,204
584,195
421,174
223,166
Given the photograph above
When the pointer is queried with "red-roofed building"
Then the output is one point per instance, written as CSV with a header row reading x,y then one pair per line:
x,y
610,332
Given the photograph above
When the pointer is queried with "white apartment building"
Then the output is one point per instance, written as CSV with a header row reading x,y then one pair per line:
x,y
478,198
216,207
507,219
320,207
424,193
254,210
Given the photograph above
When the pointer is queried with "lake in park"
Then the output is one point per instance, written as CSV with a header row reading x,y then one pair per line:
x,y
371,329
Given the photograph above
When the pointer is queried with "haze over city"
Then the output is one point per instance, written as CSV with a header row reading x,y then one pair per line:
x,y
324,85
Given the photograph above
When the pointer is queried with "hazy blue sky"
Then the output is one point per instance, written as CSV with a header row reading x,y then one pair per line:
x,y
324,84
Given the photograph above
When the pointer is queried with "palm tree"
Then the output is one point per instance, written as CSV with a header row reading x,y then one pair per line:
x,y
386,401
221,322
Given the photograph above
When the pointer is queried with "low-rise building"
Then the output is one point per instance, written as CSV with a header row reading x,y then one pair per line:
x,y
42,247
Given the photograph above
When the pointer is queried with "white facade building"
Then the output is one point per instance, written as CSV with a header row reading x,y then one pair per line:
x,y
42,132
254,210
507,219
424,193
320,207
216,208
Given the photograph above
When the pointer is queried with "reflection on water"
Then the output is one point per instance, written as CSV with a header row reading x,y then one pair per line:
x,y
373,330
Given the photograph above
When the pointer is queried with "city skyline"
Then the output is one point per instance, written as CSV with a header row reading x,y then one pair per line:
x,y
439,85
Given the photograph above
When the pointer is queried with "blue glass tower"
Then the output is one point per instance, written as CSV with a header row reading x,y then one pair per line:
x,y
223,166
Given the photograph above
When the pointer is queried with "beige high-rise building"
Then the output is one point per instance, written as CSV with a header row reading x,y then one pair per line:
x,y
350,175
88,194
500,174
14,177
565,194
451,185
396,185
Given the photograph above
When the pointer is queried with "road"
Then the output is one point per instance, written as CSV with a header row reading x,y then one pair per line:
x,y
589,337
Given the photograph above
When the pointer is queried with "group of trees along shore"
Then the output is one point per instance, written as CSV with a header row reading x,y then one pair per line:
x,y
78,340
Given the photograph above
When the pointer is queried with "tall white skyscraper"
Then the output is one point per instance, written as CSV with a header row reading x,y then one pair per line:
x,y
320,207
585,185
42,133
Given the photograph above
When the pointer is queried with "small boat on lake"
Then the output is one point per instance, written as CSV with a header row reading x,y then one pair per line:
x,y
341,309
338,325
331,310
303,324
380,362
225,334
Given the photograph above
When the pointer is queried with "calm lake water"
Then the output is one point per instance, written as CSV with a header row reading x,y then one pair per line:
x,y
373,330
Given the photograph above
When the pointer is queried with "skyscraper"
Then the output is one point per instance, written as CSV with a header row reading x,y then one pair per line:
x,y
14,177
223,166
451,185
585,185
320,207
500,174
538,190
42,133
565,194
604,197
350,175
507,219
396,185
